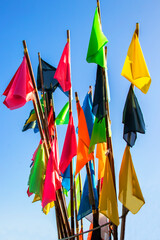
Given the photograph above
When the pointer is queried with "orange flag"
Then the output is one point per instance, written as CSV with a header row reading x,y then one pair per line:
x,y
83,140
100,154
90,233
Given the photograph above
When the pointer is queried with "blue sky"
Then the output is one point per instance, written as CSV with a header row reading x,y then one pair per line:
x,y
43,24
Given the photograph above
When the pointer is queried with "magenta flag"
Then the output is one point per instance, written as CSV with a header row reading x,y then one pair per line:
x,y
52,179
63,72
20,89
69,147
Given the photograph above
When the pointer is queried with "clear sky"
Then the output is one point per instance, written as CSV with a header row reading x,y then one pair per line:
x,y
43,24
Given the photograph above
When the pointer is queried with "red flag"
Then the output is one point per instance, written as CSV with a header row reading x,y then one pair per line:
x,y
52,180
20,88
51,122
63,72
69,147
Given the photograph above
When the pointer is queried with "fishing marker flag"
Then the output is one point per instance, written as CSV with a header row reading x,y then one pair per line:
x,y
63,72
20,89
135,68
97,41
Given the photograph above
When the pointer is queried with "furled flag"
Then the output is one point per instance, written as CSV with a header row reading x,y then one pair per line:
x,y
52,179
20,89
108,201
132,119
63,116
78,183
130,194
51,126
49,82
37,173
63,72
97,41
101,155
83,140
87,109
135,68
98,133
99,98
85,206
69,147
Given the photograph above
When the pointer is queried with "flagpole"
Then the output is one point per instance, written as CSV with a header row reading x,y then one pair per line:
x,y
124,209
76,212
71,165
80,187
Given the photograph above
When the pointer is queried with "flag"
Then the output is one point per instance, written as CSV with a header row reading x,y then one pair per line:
x,y
66,176
99,98
83,140
78,183
135,68
63,72
37,173
50,84
70,146
132,119
97,40
101,155
98,133
108,201
87,109
85,206
90,233
52,179
130,194
63,116
51,122
20,89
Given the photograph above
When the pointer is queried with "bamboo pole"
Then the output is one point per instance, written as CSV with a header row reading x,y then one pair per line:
x,y
76,211
124,209
80,187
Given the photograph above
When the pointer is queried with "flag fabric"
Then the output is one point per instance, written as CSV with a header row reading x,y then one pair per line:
x,y
85,206
63,116
90,233
80,236
83,140
130,194
20,89
99,98
47,208
51,126
63,72
98,133
37,173
87,109
135,68
66,176
50,84
97,41
132,119
108,201
52,179
70,146
78,183
101,155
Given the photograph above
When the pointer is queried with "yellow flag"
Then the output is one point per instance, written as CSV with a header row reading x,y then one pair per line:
x,y
36,198
47,208
100,154
135,68
130,194
108,201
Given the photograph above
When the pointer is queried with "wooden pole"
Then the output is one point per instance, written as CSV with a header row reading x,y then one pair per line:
x,y
80,187
124,209
76,211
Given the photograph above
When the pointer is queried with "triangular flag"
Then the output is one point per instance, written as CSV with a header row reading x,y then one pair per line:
x,y
135,68
90,233
101,155
83,140
20,89
63,72
132,119
69,147
108,201
63,116
52,179
130,194
66,176
97,40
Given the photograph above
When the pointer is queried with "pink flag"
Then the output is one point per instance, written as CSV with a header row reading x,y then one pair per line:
x,y
20,88
69,147
63,72
52,180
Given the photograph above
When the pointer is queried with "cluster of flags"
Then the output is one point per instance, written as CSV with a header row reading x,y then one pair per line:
x,y
49,172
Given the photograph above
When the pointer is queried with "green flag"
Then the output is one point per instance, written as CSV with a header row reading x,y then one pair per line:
x,y
36,178
63,116
98,133
97,40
